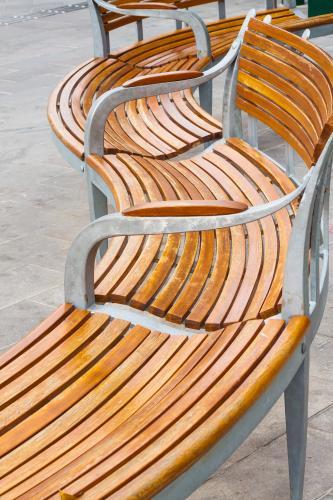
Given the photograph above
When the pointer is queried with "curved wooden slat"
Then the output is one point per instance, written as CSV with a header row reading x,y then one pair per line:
x,y
181,208
157,397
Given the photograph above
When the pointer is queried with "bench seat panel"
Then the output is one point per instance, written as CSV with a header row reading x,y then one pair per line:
x,y
111,408
205,280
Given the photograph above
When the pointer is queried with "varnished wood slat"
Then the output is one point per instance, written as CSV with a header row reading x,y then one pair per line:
x,y
80,387
199,397
28,357
80,421
150,5
185,208
157,284
168,467
35,383
153,384
171,76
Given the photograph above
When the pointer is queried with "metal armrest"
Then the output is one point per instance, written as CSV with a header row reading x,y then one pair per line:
x,y
79,271
197,25
105,104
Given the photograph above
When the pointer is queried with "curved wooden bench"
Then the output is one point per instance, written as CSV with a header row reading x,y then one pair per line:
x,y
95,403
160,130
180,44
96,406
205,280
213,279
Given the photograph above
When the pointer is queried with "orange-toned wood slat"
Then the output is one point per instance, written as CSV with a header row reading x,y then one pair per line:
x,y
170,465
169,76
138,427
185,208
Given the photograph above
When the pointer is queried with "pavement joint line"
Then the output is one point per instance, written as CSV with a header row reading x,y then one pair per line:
x,y
33,16
319,412
321,497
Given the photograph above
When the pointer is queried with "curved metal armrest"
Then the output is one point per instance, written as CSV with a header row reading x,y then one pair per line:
x,y
104,105
195,22
79,271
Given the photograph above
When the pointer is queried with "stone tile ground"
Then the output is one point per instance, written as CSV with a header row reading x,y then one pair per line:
x,y
43,206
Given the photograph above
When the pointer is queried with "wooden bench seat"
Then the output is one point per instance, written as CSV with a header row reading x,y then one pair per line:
x,y
98,407
158,128
180,44
205,280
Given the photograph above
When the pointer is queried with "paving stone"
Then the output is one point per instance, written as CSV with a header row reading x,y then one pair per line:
x,y
24,282
17,320
323,421
264,475
32,250
51,297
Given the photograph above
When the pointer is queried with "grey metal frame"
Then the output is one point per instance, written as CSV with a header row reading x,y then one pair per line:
x,y
102,39
98,196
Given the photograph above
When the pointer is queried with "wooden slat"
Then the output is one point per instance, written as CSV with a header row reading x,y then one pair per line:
x,y
169,466
109,429
185,208
169,76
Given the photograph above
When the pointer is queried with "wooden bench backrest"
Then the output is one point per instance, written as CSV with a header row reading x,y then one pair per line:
x,y
286,82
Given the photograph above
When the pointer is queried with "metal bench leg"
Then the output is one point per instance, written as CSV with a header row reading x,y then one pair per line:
x,y
139,29
271,4
98,206
221,8
206,96
296,408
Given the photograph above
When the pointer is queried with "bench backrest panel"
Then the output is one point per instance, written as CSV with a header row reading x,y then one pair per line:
x,y
286,83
